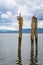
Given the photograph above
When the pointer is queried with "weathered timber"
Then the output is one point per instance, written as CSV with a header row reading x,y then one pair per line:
x,y
34,32
20,19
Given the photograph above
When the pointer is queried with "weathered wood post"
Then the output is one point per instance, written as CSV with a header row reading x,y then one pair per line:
x,y
34,33
20,19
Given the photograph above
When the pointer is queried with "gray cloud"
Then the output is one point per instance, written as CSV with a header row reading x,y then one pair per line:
x,y
28,8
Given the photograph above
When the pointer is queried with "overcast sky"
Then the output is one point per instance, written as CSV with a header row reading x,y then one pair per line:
x,y
10,9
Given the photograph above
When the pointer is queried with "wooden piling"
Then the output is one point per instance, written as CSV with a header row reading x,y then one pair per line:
x,y
34,32
20,19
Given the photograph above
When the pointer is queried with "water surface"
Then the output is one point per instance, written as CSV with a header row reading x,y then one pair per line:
x,y
9,49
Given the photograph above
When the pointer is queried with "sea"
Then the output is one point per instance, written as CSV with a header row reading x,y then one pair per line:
x,y
9,50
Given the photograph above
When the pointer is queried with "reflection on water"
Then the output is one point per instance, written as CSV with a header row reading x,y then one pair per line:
x,y
34,58
19,57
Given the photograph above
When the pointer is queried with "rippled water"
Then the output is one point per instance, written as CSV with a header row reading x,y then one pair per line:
x,y
9,49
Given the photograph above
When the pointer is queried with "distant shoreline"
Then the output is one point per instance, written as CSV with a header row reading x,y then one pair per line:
x,y
18,32
40,30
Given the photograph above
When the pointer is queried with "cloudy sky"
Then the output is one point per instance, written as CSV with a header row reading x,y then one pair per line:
x,y
10,9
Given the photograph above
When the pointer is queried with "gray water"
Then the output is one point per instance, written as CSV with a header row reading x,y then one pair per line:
x,y
9,49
